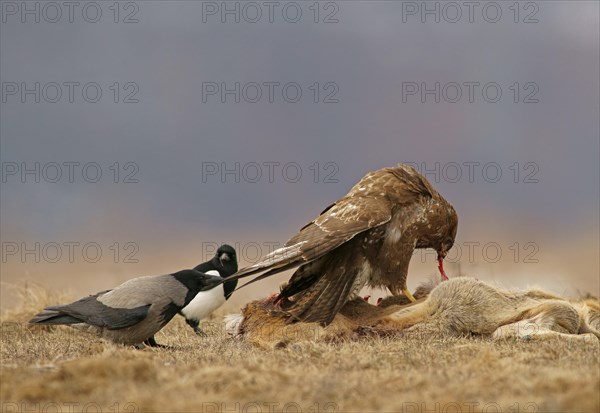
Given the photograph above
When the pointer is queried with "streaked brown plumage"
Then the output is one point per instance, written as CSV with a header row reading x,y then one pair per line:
x,y
365,238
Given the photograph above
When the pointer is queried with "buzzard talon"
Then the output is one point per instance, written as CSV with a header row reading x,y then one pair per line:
x,y
408,295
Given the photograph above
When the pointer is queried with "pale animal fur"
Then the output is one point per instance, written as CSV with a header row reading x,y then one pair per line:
x,y
458,307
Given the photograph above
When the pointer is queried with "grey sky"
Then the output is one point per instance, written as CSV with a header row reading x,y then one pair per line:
x,y
364,61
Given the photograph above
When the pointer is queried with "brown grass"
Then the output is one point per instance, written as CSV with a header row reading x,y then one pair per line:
x,y
41,366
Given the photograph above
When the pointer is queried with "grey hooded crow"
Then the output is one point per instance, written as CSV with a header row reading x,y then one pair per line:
x,y
135,310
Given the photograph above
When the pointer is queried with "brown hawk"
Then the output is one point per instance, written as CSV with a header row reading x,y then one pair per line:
x,y
365,238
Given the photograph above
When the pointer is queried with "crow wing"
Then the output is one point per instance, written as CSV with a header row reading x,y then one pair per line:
x,y
123,306
91,311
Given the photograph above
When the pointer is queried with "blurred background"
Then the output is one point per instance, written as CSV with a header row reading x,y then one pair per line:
x,y
138,136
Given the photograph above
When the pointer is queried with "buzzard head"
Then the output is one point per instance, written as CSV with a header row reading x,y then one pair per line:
x,y
442,223
446,241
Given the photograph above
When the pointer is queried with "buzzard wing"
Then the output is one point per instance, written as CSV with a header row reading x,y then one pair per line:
x,y
336,225
369,204
319,295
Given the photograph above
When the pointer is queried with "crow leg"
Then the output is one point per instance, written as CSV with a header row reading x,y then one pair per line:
x,y
151,342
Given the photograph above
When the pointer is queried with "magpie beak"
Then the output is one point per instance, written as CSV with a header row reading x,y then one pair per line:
x,y
224,257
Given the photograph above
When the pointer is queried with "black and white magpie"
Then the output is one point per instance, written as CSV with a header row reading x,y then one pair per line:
x,y
223,264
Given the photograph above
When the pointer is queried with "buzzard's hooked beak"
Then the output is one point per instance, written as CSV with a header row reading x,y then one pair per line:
x,y
224,257
441,266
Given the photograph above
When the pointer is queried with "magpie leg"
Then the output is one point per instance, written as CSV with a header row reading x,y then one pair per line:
x,y
195,324
200,332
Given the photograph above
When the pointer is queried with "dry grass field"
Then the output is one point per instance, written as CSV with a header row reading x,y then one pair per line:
x,y
61,369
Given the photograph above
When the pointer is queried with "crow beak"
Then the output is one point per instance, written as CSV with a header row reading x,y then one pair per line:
x,y
211,281
224,257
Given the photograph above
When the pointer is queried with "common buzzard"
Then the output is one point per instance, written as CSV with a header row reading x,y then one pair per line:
x,y
365,238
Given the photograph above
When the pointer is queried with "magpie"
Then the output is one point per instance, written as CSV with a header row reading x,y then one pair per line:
x,y
223,264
